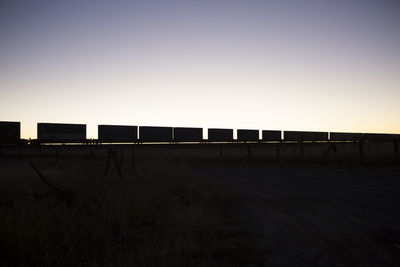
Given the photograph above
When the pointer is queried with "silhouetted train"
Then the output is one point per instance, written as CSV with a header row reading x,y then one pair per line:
x,y
76,133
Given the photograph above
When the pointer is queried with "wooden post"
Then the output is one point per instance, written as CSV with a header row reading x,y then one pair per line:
x,y
121,159
90,151
396,147
44,179
133,156
19,151
334,149
107,163
277,151
302,149
116,163
361,148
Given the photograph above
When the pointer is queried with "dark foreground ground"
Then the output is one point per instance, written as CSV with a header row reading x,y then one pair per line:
x,y
316,215
199,213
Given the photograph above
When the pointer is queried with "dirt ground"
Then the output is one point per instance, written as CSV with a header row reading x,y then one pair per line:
x,y
299,214
315,215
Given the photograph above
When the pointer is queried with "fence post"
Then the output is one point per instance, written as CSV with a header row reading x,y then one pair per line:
x,y
302,149
133,155
90,151
44,179
121,159
396,147
361,148
19,151
278,151
107,163
116,164
332,147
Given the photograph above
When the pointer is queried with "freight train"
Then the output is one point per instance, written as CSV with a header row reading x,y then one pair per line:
x,y
51,133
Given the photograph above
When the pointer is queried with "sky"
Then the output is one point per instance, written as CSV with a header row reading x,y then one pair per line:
x,y
255,64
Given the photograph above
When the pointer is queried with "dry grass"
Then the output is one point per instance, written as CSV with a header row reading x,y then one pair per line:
x,y
154,217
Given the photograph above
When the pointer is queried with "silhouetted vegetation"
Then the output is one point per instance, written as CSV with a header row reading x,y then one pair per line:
x,y
155,216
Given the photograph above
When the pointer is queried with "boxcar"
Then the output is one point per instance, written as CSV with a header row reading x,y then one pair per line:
x,y
220,135
379,137
155,134
61,132
182,134
305,136
268,135
248,135
117,133
336,136
10,132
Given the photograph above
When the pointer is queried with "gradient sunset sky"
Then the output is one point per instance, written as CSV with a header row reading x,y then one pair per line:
x,y
258,64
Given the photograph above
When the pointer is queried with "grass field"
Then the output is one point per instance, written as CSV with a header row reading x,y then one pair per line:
x,y
153,215
99,210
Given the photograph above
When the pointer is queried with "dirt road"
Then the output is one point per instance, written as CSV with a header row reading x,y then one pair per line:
x,y
316,215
